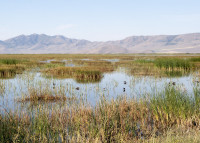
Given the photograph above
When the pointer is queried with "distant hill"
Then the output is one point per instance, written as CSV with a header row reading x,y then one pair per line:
x,y
38,44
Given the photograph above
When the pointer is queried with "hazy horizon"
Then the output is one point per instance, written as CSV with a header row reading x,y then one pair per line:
x,y
101,40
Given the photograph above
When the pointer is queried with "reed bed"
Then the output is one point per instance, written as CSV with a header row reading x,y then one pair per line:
x,y
196,59
173,64
120,120
79,73
42,95
9,71
42,57
9,61
91,62
144,61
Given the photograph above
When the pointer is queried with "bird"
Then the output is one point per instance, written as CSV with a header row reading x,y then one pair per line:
x,y
124,89
124,82
172,83
77,88
54,85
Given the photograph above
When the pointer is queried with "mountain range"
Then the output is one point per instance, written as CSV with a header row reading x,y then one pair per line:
x,y
44,44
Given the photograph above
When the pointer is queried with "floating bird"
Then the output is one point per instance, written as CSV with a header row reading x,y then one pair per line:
x,y
124,89
54,85
172,83
124,82
77,88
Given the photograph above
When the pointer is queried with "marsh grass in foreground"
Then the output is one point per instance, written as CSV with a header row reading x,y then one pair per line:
x,y
120,120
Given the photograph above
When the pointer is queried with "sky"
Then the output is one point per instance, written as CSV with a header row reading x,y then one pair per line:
x,y
98,20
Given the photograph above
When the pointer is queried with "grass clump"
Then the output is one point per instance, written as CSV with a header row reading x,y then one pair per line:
x,y
93,63
7,72
196,59
9,61
173,64
37,95
173,107
143,61
79,73
10,71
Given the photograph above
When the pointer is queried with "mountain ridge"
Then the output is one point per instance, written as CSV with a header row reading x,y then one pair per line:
x,y
45,44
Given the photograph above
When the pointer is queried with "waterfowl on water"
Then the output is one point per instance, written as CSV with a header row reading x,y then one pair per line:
x,y
54,85
173,83
124,89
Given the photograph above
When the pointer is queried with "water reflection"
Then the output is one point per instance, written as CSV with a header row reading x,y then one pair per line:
x,y
87,91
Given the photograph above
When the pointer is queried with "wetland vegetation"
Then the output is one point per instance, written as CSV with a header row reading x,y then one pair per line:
x,y
100,98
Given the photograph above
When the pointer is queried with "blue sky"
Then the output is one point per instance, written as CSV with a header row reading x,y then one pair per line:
x,y
98,20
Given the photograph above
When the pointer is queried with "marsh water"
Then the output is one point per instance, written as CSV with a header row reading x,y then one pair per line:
x,y
111,85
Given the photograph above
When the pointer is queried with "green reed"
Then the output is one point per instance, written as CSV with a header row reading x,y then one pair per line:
x,y
173,63
196,59
144,61
9,61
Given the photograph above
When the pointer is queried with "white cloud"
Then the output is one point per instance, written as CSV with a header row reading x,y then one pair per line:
x,y
65,27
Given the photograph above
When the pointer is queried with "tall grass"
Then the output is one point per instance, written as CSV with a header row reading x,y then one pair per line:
x,y
9,71
196,59
79,73
9,61
120,120
144,61
173,63
172,107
